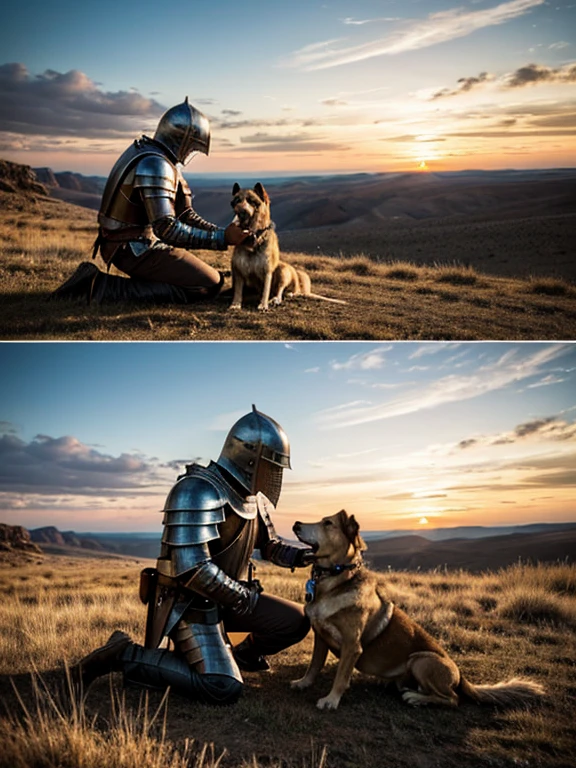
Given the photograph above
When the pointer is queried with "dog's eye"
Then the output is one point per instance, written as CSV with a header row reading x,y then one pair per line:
x,y
327,523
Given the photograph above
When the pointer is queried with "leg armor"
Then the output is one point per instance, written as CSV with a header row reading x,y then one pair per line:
x,y
159,668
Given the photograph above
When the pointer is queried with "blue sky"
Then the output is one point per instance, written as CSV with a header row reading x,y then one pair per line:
x,y
296,86
400,434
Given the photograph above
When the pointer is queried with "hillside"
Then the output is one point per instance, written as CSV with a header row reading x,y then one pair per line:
x,y
394,293
508,223
475,555
518,622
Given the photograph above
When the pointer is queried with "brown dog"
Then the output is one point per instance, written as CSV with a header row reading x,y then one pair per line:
x,y
256,263
352,617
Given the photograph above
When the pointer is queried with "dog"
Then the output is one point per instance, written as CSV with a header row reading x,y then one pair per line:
x,y
351,616
256,262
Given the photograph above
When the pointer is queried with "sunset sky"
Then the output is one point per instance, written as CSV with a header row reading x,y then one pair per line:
x,y
92,436
292,87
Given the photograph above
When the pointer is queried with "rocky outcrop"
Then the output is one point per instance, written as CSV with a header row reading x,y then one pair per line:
x,y
67,180
19,179
15,538
50,535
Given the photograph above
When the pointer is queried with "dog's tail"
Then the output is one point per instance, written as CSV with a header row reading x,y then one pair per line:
x,y
324,298
514,692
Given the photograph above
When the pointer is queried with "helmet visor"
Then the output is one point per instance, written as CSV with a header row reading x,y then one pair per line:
x,y
268,480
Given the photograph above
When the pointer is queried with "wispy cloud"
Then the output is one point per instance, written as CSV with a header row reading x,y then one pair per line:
x,y
361,22
422,33
508,369
549,428
530,74
364,361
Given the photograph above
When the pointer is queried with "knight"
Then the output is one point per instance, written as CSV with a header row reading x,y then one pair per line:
x,y
202,588
147,225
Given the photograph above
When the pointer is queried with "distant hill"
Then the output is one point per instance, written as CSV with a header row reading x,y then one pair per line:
x,y
397,550
72,187
517,224
490,553
52,536
469,531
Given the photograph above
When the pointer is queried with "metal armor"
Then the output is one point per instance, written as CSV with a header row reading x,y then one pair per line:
x,y
147,199
211,528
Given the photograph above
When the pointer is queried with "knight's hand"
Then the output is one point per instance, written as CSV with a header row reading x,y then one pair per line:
x,y
304,557
251,591
235,235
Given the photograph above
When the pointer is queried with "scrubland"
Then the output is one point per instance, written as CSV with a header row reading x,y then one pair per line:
x,y
42,243
516,622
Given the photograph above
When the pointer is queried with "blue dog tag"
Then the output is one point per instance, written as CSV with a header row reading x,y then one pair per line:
x,y
310,590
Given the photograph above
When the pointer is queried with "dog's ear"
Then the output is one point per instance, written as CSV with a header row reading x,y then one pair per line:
x,y
352,530
235,188
261,192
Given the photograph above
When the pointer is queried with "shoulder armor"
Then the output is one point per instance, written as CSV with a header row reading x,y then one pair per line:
x,y
193,509
156,171
192,492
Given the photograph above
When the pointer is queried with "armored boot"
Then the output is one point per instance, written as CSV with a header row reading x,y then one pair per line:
x,y
159,668
114,288
249,658
78,284
101,661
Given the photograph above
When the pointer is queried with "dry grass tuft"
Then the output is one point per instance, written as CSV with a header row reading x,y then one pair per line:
x,y
59,734
456,274
550,286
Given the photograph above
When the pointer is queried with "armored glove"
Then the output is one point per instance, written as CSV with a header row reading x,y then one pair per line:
x,y
210,581
234,235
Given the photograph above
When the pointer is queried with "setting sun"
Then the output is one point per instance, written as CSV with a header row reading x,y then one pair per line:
x,y
423,166
423,521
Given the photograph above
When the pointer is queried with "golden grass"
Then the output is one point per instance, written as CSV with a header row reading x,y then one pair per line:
x,y
387,299
55,610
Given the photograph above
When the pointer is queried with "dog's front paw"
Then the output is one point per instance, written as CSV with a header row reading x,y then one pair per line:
x,y
234,307
276,301
328,702
301,684
263,307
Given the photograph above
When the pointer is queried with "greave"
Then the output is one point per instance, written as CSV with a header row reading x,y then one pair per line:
x,y
159,668
111,288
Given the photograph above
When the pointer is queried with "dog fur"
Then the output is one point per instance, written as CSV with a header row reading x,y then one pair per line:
x,y
257,263
352,617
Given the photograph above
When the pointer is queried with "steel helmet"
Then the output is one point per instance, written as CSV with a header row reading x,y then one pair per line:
x,y
183,130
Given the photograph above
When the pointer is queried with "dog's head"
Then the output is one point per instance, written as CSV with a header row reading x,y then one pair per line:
x,y
334,539
251,206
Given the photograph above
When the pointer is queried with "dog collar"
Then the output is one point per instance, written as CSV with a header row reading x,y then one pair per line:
x,y
320,572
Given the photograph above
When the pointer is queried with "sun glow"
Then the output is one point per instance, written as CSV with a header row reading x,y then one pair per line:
x,y
422,166
423,521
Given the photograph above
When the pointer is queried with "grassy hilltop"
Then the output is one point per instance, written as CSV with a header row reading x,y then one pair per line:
x,y
42,240
515,622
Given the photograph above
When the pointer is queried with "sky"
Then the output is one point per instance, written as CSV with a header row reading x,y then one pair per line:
x,y
402,434
294,87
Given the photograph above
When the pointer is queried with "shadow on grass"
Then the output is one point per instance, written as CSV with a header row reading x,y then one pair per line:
x,y
273,725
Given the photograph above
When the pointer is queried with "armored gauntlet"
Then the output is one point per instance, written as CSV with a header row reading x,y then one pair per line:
x,y
211,582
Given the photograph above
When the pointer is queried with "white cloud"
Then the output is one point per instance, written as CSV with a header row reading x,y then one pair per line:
x,y
422,33
364,361
508,369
